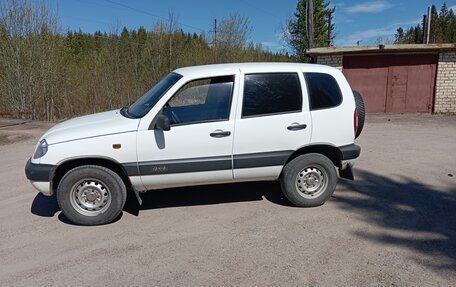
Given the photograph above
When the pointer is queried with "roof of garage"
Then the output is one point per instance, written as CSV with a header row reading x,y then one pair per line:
x,y
400,48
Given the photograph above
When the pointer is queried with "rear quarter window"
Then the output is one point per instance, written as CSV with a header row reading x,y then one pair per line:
x,y
324,91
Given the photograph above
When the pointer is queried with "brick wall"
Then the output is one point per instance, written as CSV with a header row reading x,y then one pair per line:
x,y
445,90
331,60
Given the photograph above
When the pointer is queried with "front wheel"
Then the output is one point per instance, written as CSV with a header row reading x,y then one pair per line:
x,y
309,180
91,195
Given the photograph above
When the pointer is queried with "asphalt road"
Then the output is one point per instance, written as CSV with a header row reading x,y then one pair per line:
x,y
394,226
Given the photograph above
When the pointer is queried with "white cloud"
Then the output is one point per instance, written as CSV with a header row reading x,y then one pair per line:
x,y
271,45
274,46
336,4
454,8
369,7
369,36
366,36
341,19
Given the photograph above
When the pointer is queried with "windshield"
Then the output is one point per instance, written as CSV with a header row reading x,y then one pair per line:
x,y
143,105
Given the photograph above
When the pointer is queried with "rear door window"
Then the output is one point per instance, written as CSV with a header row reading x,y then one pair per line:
x,y
272,93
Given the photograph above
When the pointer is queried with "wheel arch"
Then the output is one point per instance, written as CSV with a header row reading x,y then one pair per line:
x,y
330,151
62,168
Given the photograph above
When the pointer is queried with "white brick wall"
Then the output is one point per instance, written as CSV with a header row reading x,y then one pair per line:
x,y
445,90
331,60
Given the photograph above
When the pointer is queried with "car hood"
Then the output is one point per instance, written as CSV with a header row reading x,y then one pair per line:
x,y
94,125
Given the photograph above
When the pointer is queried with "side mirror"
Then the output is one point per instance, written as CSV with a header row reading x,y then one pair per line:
x,y
162,123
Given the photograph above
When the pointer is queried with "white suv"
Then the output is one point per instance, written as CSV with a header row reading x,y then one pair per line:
x,y
205,125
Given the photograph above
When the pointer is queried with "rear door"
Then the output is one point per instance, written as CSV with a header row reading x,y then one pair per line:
x,y
272,121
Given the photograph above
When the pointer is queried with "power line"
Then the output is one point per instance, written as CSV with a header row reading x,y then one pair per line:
x,y
151,14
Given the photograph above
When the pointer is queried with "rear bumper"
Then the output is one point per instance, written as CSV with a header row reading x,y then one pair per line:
x,y
348,155
349,152
40,176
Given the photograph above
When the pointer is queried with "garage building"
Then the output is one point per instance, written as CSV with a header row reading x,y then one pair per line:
x,y
398,78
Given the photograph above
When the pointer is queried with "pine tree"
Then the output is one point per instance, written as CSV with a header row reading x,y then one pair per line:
x,y
451,27
442,30
444,22
297,27
399,36
436,35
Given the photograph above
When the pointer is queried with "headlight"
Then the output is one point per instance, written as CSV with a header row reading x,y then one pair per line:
x,y
41,149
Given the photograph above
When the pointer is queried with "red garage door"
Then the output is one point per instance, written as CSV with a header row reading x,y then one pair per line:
x,y
393,83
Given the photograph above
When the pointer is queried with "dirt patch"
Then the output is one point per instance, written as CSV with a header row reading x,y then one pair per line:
x,y
15,131
6,138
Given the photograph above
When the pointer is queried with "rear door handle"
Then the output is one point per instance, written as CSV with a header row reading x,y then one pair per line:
x,y
220,134
296,127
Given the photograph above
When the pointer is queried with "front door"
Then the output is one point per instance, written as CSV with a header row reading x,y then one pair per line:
x,y
198,147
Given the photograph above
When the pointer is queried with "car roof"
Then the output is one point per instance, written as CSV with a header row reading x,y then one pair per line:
x,y
216,69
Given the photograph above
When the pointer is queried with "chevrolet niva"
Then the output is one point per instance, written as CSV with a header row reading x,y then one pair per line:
x,y
212,124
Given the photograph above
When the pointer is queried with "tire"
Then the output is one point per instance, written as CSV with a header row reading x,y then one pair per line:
x,y
309,180
91,195
361,111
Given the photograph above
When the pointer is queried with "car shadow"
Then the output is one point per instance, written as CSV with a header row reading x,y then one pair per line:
x,y
175,197
207,195
410,215
45,206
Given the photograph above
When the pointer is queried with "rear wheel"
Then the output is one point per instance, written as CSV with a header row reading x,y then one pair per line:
x,y
309,180
91,195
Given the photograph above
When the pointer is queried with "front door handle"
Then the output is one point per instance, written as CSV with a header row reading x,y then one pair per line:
x,y
296,127
220,134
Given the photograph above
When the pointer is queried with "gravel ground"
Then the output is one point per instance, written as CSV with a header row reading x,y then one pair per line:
x,y
394,226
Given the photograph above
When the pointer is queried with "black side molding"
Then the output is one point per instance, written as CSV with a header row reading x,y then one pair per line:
x,y
261,159
350,151
38,172
251,160
179,165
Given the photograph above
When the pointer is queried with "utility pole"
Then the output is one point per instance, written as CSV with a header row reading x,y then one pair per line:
x,y
424,28
310,23
214,41
329,25
428,33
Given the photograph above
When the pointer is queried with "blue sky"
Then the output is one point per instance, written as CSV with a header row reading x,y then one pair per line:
x,y
364,21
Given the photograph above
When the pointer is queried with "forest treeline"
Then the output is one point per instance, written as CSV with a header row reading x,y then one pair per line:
x,y
47,74
442,28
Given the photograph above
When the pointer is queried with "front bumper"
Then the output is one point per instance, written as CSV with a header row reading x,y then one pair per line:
x,y
40,176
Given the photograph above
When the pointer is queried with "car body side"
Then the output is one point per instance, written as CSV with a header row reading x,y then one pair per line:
x,y
93,138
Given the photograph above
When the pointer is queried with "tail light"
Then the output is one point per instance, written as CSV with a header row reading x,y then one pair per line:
x,y
355,121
